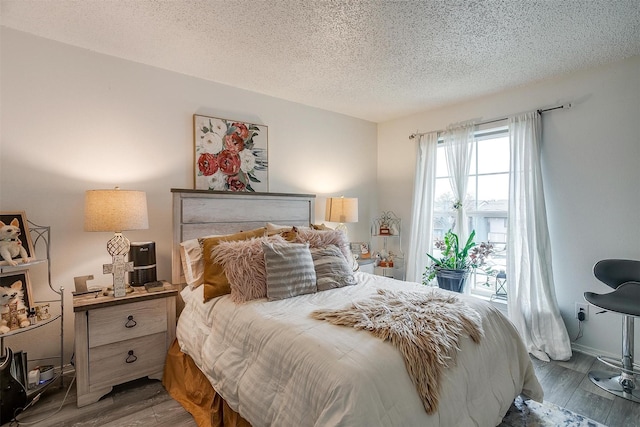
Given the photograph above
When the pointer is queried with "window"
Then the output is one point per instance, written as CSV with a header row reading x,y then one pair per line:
x,y
486,201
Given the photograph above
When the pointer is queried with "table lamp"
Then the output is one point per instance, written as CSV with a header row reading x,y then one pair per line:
x,y
341,210
116,210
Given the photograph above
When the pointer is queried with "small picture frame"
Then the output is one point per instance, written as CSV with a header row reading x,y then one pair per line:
x,y
16,281
19,220
361,250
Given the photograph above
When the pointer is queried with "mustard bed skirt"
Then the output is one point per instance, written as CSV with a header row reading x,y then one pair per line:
x,y
188,385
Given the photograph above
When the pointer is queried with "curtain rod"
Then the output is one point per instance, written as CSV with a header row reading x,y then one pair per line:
x,y
539,111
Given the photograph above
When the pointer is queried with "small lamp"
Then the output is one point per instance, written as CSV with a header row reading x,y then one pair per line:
x,y
116,210
341,210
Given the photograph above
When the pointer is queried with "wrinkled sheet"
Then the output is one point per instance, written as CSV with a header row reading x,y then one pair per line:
x,y
275,365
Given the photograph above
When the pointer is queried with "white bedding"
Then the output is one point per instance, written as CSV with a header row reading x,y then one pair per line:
x,y
276,366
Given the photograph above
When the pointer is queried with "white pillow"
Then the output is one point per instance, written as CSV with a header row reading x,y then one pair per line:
x,y
192,264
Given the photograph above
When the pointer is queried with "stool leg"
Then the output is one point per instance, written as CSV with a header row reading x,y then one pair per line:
x,y
621,384
626,380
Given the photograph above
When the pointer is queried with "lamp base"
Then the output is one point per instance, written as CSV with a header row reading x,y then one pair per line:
x,y
118,248
342,227
118,268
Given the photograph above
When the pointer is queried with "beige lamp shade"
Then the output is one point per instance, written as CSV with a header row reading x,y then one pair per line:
x,y
341,209
115,210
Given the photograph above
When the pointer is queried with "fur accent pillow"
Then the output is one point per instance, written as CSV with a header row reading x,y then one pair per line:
x,y
215,281
243,264
332,270
290,270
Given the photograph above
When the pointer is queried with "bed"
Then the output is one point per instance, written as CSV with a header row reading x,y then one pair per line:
x,y
275,361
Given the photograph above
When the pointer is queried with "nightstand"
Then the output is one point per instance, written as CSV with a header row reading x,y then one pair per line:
x,y
121,339
366,265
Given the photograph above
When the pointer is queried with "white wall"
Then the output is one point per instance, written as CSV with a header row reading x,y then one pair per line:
x,y
591,157
74,120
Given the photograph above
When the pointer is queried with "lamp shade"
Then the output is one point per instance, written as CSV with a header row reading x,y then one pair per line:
x,y
341,209
115,210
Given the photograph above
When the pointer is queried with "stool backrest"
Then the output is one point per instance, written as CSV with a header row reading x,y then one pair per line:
x,y
614,272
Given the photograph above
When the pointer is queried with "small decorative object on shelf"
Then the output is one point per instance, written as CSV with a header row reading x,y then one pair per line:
x,y
360,250
42,311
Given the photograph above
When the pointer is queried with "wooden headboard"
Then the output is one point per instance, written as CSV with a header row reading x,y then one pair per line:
x,y
198,213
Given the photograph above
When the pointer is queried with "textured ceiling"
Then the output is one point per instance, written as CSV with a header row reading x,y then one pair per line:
x,y
375,59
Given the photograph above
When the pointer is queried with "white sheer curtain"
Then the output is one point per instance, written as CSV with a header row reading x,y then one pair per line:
x,y
421,238
532,305
458,143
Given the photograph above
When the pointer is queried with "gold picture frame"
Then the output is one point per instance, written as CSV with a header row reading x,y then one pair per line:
x,y
10,280
19,219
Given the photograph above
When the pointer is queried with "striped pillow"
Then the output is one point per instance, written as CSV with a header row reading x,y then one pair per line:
x,y
290,270
332,270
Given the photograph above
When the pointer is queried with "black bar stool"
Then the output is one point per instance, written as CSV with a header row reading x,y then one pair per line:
x,y
624,277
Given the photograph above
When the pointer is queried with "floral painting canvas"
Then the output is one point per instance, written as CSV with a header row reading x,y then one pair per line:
x,y
230,155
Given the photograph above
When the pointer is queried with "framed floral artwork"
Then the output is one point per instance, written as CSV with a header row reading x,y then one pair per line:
x,y
230,155
15,237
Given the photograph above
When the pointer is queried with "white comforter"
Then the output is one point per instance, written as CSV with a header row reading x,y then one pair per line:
x,y
276,366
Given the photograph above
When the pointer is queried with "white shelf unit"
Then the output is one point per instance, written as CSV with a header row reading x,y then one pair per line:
x,y
389,245
41,239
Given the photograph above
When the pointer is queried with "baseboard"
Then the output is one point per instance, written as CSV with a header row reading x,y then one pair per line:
x,y
592,351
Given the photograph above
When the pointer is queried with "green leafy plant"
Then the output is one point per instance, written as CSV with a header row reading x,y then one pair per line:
x,y
456,257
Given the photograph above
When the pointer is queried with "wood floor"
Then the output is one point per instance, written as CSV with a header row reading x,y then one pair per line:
x,y
567,384
146,403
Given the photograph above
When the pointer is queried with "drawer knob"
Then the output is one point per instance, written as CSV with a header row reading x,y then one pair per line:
x,y
131,357
130,322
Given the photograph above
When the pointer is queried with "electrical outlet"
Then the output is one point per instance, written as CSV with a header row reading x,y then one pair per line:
x,y
582,307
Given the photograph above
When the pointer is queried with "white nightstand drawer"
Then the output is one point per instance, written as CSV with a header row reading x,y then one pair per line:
x,y
127,321
126,360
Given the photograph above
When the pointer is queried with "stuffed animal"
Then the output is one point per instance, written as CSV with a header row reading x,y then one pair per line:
x,y
10,296
10,244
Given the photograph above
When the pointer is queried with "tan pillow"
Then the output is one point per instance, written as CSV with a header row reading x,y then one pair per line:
x,y
279,229
320,227
215,281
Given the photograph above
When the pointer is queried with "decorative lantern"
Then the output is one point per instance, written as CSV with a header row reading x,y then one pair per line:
x,y
501,283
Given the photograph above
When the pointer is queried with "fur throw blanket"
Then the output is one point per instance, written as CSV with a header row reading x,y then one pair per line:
x,y
425,327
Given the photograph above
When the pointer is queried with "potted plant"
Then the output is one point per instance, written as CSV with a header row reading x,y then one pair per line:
x,y
455,263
